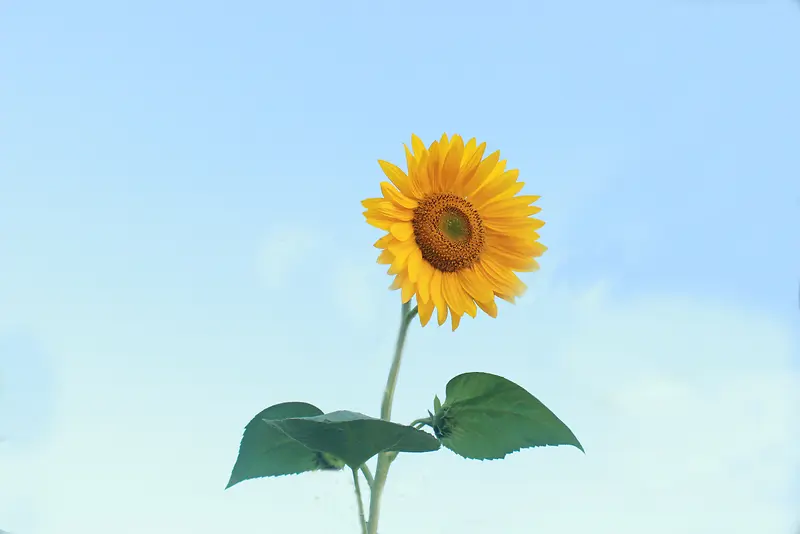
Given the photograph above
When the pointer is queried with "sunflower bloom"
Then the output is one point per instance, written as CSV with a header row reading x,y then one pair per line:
x,y
456,229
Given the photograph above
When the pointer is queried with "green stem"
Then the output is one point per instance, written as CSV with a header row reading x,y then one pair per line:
x,y
360,501
367,475
385,459
419,423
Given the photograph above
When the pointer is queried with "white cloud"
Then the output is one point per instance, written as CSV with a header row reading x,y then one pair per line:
x,y
283,250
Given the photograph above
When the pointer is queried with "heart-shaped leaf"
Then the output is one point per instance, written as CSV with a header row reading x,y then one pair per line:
x,y
486,417
354,437
265,451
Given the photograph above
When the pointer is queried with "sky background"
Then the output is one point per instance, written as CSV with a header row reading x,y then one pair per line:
x,y
182,245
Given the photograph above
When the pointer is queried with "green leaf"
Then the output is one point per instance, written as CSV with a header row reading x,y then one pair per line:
x,y
354,437
265,451
437,404
486,417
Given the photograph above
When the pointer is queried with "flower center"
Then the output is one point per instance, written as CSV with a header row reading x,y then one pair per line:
x,y
454,225
448,231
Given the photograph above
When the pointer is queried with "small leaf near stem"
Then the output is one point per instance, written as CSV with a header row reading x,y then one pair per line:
x,y
385,459
360,501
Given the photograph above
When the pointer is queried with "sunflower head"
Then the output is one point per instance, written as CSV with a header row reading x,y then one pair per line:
x,y
457,230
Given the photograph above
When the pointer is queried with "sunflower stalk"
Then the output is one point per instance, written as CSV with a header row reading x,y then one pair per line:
x,y
359,499
385,459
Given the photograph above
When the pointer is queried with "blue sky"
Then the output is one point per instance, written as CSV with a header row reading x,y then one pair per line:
x,y
181,245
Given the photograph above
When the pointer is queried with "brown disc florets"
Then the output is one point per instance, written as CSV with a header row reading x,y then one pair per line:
x,y
449,232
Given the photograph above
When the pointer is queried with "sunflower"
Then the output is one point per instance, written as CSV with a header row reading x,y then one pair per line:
x,y
457,231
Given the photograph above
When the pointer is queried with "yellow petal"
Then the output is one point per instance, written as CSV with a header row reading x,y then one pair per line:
x,y
466,304
417,145
472,310
524,245
411,161
456,320
512,190
534,249
414,166
422,178
457,300
383,224
469,168
503,280
449,297
513,226
388,210
513,261
452,163
511,213
477,288
414,263
523,200
371,203
402,248
483,181
524,234
425,310
441,315
424,280
401,252
434,166
484,169
397,176
507,298
407,290
509,245
489,307
396,197
385,258
397,283
469,150
511,232
516,287
510,283
493,188
436,296
509,206
384,242
402,230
